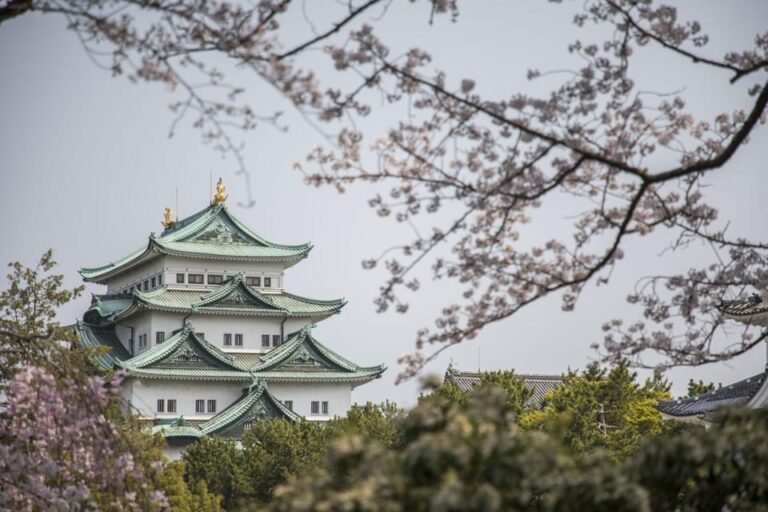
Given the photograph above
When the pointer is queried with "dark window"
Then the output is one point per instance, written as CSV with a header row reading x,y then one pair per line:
x,y
215,279
195,278
238,340
161,405
315,408
325,408
146,285
179,278
265,340
199,405
201,334
211,405
171,405
154,282
159,337
160,279
253,281
288,404
267,282
275,340
228,340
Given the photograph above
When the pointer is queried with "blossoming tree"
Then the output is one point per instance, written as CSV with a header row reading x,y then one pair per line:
x,y
636,161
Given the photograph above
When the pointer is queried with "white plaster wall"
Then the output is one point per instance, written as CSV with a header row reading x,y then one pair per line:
x,y
146,393
175,264
141,323
214,327
136,275
169,266
338,396
124,335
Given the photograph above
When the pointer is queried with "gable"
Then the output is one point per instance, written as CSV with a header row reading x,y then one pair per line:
x,y
183,351
308,358
222,231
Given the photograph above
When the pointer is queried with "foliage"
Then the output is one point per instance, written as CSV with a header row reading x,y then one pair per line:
x,y
377,422
58,450
29,333
66,443
222,465
471,456
183,499
274,450
699,388
606,135
466,456
514,389
629,413
724,467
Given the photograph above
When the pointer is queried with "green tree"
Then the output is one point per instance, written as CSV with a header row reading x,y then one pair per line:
x,y
724,467
221,464
466,456
379,422
29,332
603,409
181,497
700,387
276,449
511,385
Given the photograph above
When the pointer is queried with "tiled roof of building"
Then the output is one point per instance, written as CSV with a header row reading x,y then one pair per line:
x,y
106,347
256,404
212,233
751,309
187,356
539,384
231,298
737,393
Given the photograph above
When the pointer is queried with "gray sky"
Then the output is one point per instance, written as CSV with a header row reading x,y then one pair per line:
x,y
87,168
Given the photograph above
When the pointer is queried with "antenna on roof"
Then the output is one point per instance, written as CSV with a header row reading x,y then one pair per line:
x,y
210,183
177,204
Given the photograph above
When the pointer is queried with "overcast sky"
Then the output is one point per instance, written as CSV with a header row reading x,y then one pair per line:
x,y
87,168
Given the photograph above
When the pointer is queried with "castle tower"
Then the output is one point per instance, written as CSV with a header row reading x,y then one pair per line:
x,y
209,339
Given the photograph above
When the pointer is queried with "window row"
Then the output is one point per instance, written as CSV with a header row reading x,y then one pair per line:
x,y
228,340
182,278
147,284
209,406
169,405
164,405
317,407
267,340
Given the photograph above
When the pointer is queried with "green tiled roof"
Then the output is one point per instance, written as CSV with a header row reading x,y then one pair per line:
x,y
212,233
186,356
108,351
304,359
233,297
184,351
256,404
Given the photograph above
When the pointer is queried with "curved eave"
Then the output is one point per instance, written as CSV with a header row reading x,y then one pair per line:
x,y
177,432
368,373
105,272
155,247
288,258
753,318
143,305
105,361
188,374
